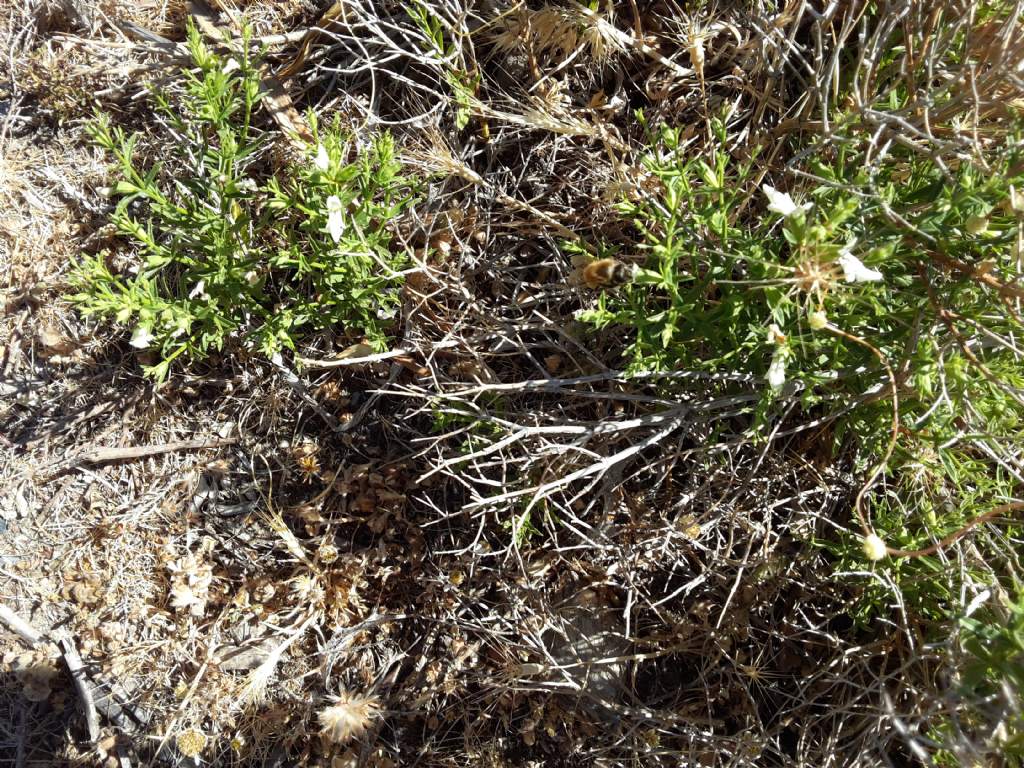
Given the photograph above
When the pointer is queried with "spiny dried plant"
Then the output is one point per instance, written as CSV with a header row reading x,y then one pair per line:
x,y
348,716
565,30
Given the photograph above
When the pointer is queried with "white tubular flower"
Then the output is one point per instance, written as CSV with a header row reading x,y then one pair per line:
x,y
874,547
978,601
199,290
322,162
142,338
854,270
781,203
335,217
777,370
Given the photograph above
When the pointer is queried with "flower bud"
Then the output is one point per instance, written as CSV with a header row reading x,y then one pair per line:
x,y
977,225
874,547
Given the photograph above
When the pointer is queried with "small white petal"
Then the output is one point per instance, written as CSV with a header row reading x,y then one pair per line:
x,y
775,334
817,320
978,601
199,290
323,162
781,202
777,370
335,218
142,338
854,270
336,225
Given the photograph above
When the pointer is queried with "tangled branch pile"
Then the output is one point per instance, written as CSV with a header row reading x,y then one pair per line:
x,y
605,383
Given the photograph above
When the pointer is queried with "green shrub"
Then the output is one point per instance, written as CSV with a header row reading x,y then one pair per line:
x,y
230,256
894,276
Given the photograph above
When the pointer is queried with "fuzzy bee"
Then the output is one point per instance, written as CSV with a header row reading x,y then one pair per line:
x,y
602,273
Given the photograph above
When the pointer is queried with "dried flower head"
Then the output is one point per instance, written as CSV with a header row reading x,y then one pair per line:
x,y
190,584
560,30
348,717
815,277
35,670
309,466
306,459
191,743
327,553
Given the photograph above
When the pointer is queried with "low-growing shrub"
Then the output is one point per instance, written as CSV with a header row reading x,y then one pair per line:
x,y
230,255
884,298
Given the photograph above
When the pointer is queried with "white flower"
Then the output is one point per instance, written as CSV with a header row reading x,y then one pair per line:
x,y
874,547
199,290
777,370
775,334
978,601
817,320
142,338
854,270
251,277
323,162
781,203
335,218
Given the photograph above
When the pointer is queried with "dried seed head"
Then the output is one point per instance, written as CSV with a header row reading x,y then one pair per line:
x,y
191,743
815,277
348,717
191,578
327,553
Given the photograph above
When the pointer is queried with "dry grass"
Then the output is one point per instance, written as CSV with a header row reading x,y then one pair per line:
x,y
593,576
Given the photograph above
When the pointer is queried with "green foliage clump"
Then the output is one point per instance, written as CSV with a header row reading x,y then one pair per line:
x,y
893,276
230,255
994,672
